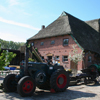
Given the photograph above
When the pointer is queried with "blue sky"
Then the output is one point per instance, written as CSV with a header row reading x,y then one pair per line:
x,y
21,19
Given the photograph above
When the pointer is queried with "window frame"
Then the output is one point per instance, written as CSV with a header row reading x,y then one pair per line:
x,y
42,43
89,58
66,43
42,57
32,43
57,58
53,42
63,59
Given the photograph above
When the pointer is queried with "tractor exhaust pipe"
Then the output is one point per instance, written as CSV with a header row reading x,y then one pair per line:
x,y
26,60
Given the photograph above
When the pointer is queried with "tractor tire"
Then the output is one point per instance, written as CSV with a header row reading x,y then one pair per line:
x,y
40,77
26,86
59,80
9,83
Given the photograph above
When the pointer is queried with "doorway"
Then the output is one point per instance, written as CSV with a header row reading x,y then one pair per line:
x,y
73,67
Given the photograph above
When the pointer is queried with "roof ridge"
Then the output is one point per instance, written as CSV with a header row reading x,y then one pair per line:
x,y
63,14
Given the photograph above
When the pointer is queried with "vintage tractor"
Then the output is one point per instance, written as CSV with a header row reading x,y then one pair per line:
x,y
36,74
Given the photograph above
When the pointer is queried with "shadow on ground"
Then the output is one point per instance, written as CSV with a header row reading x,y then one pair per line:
x,y
67,95
70,94
47,95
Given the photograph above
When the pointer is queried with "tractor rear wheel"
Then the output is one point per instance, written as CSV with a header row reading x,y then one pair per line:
x,y
59,80
26,86
9,83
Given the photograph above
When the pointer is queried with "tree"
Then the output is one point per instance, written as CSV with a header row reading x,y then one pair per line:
x,y
11,44
5,58
75,56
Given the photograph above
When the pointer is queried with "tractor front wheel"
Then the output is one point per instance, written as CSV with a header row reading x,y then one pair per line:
x,y
26,86
9,83
59,80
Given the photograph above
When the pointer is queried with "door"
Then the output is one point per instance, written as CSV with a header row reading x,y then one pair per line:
x,y
73,68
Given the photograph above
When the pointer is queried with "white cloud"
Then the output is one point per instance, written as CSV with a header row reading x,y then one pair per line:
x,y
13,2
3,9
27,14
18,24
10,8
11,37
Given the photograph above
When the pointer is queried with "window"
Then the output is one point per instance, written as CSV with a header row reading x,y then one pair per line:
x,y
52,42
32,44
42,43
57,57
65,58
42,58
89,59
65,42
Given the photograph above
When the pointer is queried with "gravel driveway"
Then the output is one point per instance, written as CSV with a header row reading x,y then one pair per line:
x,y
79,92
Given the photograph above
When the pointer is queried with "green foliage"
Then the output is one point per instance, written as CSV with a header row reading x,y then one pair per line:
x,y
5,58
36,49
10,44
31,60
28,46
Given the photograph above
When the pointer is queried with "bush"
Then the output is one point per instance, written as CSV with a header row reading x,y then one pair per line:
x,y
5,58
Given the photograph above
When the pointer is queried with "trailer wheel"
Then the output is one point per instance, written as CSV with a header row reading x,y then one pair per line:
x,y
85,81
9,83
59,80
26,86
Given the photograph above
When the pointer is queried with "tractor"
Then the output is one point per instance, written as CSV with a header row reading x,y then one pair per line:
x,y
36,74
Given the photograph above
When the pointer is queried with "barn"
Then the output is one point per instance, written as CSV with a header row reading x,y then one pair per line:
x,y
56,40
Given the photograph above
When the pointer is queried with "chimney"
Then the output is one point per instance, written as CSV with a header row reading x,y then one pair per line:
x,y
43,27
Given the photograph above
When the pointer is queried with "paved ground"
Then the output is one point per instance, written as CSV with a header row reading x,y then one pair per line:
x,y
79,92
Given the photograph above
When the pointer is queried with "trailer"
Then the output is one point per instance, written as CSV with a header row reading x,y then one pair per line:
x,y
88,75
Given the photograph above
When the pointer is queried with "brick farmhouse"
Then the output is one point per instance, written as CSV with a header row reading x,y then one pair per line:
x,y
55,41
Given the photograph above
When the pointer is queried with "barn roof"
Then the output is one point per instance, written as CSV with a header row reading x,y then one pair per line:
x,y
84,34
95,24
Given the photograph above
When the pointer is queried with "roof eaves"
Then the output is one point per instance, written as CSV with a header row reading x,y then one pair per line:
x,y
51,36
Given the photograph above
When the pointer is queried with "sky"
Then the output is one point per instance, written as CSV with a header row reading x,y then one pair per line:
x,y
22,19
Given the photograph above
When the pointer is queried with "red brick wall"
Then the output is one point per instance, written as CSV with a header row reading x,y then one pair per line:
x,y
57,49
93,59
